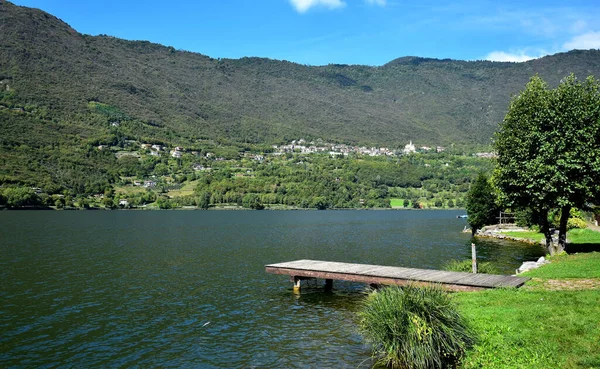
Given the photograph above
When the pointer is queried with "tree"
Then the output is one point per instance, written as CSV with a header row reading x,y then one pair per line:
x,y
481,204
203,200
549,151
319,202
252,201
18,197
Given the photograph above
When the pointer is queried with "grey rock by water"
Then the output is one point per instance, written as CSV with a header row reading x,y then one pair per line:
x,y
528,265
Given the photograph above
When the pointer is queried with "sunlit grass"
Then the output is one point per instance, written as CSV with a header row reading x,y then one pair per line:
x,y
574,236
186,190
583,265
397,203
533,327
529,235
583,236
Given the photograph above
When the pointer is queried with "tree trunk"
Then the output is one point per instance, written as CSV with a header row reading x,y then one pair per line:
x,y
545,228
565,212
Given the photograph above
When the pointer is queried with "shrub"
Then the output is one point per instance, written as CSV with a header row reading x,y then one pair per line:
x,y
576,219
466,266
414,327
573,223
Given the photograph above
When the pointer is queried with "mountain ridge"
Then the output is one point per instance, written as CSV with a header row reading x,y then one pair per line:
x,y
48,64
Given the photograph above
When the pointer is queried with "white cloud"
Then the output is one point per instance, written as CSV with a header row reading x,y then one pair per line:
x,y
302,6
502,56
377,2
590,40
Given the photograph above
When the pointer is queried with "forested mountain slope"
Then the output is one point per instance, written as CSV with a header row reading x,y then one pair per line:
x,y
52,72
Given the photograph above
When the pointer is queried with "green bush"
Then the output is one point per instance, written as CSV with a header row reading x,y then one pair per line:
x,y
414,327
573,223
465,266
576,219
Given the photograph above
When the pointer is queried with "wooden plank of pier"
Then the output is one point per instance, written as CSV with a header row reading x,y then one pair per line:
x,y
388,275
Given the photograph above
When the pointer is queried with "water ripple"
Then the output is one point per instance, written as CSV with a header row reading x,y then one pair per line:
x,y
188,289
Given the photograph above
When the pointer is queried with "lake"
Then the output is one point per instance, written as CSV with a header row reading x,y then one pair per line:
x,y
187,289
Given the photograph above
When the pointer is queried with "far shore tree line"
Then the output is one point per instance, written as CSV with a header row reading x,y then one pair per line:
x,y
318,181
548,164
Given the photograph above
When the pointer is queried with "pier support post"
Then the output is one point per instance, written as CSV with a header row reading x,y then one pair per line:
x,y
296,281
473,258
328,284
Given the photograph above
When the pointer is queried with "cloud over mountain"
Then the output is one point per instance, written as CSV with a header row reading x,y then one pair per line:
x,y
590,40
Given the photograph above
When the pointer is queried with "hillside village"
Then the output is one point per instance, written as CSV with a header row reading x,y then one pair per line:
x,y
300,146
319,146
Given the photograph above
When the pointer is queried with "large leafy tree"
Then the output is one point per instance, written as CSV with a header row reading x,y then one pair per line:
x,y
549,150
481,204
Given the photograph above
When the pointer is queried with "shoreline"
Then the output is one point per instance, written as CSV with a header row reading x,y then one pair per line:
x,y
220,208
495,231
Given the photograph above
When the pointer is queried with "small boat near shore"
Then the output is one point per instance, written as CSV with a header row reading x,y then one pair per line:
x,y
461,216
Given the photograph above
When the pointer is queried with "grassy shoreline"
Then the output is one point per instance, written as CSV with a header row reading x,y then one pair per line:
x,y
574,236
551,322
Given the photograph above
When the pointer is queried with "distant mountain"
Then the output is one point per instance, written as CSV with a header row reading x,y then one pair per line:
x,y
51,73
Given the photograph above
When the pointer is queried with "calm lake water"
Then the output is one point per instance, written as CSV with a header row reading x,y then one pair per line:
x,y
187,289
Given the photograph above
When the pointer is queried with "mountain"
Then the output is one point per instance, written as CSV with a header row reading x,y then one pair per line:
x,y
61,83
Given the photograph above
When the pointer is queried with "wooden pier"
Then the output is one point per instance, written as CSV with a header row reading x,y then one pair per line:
x,y
387,275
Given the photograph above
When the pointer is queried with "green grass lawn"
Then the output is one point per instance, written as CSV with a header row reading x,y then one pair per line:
x,y
397,203
534,327
583,236
530,235
186,190
574,236
582,265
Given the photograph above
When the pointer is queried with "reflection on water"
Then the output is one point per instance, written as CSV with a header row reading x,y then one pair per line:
x,y
188,289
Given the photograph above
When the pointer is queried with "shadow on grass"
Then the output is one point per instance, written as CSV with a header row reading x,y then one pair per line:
x,y
583,247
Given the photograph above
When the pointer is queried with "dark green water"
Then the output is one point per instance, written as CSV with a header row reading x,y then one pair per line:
x,y
187,289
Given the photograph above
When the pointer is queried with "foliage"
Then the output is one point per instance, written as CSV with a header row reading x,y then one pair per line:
x,y
484,267
481,204
576,223
203,200
542,161
414,327
19,197
252,201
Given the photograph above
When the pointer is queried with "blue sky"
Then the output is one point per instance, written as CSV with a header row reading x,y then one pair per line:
x,y
318,32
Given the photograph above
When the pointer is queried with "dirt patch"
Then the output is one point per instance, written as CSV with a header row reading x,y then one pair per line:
x,y
566,284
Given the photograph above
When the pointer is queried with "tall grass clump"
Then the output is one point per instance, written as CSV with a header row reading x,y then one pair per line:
x,y
414,327
466,266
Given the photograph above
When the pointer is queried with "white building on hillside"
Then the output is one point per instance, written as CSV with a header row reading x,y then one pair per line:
x,y
409,148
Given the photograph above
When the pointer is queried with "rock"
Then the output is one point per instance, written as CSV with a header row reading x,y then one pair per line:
x,y
528,265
